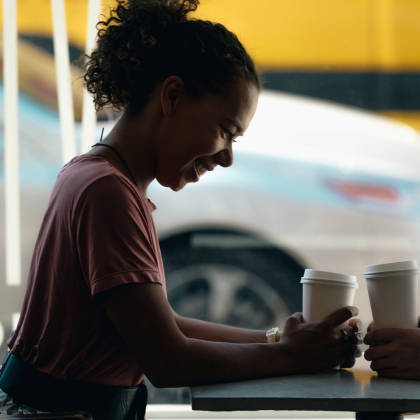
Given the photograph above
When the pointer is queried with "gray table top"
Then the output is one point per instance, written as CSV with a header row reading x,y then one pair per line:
x,y
358,390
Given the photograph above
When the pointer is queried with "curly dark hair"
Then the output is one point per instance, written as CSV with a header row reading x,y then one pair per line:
x,y
145,41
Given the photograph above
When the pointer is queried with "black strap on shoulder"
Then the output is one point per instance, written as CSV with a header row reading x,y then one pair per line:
x,y
121,158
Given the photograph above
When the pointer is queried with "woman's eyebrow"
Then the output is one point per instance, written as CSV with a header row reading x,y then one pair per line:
x,y
237,125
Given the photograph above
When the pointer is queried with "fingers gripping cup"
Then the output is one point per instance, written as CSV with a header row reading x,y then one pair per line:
x,y
393,293
325,293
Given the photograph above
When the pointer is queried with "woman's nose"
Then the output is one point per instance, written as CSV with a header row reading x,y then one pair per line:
x,y
225,157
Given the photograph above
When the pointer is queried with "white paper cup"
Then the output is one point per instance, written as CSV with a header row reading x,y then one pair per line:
x,y
393,293
325,292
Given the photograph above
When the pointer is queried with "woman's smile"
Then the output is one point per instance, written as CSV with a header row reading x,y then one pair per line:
x,y
202,167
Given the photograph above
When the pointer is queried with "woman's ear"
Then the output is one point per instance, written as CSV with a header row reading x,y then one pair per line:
x,y
171,94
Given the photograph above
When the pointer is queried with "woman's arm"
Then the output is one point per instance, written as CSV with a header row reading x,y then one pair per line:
x,y
142,316
209,331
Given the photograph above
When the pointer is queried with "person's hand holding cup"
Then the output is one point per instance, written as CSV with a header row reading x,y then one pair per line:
x,y
394,334
324,344
394,293
323,336
398,355
324,293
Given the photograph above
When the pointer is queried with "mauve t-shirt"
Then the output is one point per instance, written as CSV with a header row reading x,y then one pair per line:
x,y
97,233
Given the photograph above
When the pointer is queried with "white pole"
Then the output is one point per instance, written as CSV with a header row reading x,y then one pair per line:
x,y
62,68
15,320
11,144
89,113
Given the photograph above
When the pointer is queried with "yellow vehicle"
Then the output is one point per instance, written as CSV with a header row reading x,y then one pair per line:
x,y
364,53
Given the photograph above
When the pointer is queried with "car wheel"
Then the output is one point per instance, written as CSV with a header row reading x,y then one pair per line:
x,y
231,278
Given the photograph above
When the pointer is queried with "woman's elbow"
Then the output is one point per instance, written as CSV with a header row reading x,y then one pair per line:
x,y
167,378
170,369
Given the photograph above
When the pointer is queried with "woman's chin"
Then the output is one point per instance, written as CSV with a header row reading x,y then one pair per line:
x,y
176,181
179,188
174,186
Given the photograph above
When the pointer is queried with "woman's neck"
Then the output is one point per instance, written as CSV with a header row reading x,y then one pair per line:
x,y
135,143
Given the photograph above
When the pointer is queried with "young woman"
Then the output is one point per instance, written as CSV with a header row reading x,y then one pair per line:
x,y
95,318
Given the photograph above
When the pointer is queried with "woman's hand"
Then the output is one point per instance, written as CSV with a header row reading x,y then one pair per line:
x,y
317,346
398,356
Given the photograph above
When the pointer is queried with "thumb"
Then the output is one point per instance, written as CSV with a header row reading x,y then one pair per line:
x,y
295,319
340,316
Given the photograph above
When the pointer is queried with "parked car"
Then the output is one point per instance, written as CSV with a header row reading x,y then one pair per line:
x,y
314,185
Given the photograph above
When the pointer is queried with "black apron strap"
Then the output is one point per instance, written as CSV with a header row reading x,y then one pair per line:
x,y
36,389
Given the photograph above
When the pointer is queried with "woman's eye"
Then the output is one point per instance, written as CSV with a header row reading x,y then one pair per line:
x,y
228,133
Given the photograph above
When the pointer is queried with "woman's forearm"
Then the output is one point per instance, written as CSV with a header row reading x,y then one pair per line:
x,y
208,331
204,362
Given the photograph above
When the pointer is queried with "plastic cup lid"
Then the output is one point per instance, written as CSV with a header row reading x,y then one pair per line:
x,y
409,265
328,276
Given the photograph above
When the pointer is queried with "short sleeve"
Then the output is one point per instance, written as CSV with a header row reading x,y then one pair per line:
x,y
114,237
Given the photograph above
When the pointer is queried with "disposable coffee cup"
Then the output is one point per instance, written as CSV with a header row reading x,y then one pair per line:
x,y
325,292
394,294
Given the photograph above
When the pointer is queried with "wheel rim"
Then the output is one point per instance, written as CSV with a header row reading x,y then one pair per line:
x,y
225,294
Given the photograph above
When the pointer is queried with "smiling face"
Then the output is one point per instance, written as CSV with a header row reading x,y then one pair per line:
x,y
198,134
